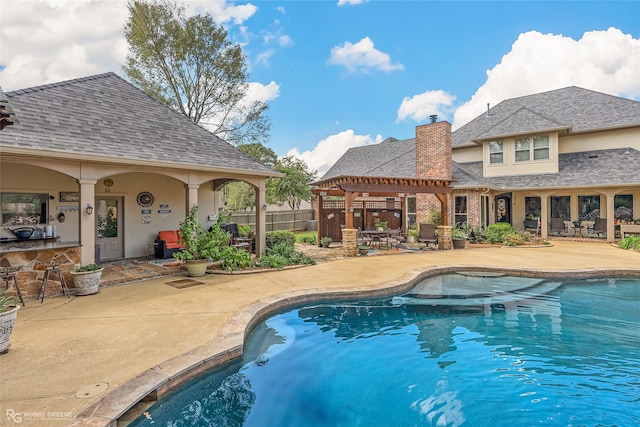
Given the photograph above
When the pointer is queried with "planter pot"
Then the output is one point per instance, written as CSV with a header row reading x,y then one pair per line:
x,y
197,267
7,320
459,243
87,282
411,239
363,252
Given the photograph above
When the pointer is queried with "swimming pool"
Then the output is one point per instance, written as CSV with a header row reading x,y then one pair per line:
x,y
460,349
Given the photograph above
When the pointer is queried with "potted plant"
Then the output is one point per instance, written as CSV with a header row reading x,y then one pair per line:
x,y
363,249
413,233
381,225
459,238
8,314
326,241
86,278
199,244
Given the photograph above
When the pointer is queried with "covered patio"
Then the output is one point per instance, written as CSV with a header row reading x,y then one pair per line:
x,y
347,203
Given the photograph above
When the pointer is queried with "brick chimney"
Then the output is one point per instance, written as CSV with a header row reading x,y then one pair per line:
x,y
433,160
433,150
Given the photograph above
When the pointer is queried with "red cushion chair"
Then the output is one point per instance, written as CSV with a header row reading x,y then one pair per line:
x,y
167,244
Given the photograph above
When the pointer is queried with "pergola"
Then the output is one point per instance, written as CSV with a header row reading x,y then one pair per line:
x,y
352,187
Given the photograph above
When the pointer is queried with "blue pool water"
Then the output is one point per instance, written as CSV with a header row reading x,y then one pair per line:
x,y
457,350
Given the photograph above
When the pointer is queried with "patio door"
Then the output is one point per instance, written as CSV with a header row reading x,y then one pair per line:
x,y
109,227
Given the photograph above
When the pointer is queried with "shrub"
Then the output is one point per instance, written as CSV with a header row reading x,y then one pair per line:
x,y
496,232
311,239
275,237
630,242
513,239
281,255
326,241
235,259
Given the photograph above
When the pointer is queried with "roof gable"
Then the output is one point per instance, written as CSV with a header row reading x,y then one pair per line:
x,y
579,109
521,122
105,117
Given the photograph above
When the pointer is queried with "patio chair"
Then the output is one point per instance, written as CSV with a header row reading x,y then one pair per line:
x,y
428,235
558,226
599,227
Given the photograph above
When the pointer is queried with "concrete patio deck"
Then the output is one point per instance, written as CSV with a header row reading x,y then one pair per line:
x,y
71,356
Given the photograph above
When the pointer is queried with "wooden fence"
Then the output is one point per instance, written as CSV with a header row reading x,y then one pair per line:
x,y
298,220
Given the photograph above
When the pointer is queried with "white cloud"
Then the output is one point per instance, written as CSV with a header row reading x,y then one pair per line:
x,y
330,149
362,56
222,11
422,105
259,92
46,41
605,61
351,2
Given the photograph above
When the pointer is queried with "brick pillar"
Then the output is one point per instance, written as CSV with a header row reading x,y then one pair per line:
x,y
349,241
433,160
444,237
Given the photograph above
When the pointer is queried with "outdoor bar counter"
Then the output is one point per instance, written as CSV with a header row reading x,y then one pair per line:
x,y
34,255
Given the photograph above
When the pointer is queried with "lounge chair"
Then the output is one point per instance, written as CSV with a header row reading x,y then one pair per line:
x,y
599,227
428,235
558,226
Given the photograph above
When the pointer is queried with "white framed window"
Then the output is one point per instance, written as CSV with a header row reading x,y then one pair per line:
x,y
460,212
528,148
541,147
496,152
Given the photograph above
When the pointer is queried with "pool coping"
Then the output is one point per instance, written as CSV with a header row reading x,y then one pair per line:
x,y
128,401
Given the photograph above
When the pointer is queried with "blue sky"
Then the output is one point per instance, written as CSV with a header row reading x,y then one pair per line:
x,y
338,73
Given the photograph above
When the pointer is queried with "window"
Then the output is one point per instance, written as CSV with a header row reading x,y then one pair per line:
x,y
561,207
532,207
411,211
525,150
623,206
24,208
541,147
496,152
460,210
522,150
589,208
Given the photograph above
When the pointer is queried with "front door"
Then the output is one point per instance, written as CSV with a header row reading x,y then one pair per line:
x,y
109,233
503,208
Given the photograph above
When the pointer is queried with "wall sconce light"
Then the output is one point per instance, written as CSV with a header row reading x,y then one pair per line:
x,y
89,209
264,207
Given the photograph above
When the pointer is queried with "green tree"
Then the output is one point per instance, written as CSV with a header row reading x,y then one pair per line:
x,y
293,187
188,63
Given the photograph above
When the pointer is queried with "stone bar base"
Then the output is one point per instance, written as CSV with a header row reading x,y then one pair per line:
x,y
349,241
32,273
444,237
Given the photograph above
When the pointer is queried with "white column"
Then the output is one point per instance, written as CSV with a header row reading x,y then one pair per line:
x,y
611,228
87,222
261,218
192,196
544,215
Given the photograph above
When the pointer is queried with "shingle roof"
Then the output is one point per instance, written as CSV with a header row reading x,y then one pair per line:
x,y
105,117
585,169
574,108
570,109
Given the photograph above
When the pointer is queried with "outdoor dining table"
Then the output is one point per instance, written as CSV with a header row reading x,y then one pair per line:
x,y
378,235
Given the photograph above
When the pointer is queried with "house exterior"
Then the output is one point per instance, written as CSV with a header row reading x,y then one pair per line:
x,y
570,153
103,165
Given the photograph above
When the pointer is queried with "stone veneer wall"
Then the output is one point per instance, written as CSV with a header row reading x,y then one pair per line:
x,y
33,268
433,160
